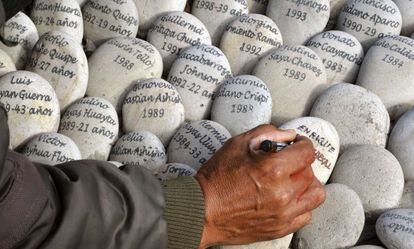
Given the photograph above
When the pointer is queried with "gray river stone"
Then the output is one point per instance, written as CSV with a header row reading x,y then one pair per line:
x,y
395,228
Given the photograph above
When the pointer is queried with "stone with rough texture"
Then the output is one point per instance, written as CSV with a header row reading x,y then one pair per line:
x,y
407,9
61,15
140,148
107,19
358,115
401,143
247,39
375,174
117,64
369,21
61,61
6,63
257,6
174,170
92,123
153,105
282,243
197,73
341,53
244,98
299,20
217,14
31,104
19,37
388,71
395,228
337,223
51,149
407,199
175,31
325,139
296,77
196,142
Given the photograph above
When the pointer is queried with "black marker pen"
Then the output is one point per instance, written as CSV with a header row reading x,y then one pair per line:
x,y
270,146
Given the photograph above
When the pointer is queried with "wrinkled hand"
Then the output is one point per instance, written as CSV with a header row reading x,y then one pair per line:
x,y
254,196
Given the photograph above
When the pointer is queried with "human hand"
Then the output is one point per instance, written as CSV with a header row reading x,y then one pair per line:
x,y
254,196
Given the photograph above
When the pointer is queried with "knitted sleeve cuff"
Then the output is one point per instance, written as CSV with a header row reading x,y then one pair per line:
x,y
184,213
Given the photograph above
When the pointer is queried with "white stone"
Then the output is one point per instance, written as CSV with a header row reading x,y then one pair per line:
x,y
175,31
197,73
247,39
61,61
407,199
299,20
282,243
341,53
325,139
336,7
153,105
61,15
401,144
358,115
367,247
244,98
295,76
395,228
375,174
196,142
217,14
388,71
149,11
370,20
117,64
140,148
174,170
6,63
19,36
407,9
257,6
107,19
337,223
51,149
93,124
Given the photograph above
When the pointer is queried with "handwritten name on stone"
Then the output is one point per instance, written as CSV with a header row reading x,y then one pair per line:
x,y
395,228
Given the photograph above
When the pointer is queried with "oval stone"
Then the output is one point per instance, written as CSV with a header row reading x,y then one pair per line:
x,y
92,123
197,73
407,9
289,70
358,115
257,6
247,39
174,170
31,104
244,98
395,228
51,149
153,105
196,142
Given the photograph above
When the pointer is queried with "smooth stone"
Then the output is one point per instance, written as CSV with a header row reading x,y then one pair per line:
x,y
407,9
175,31
19,35
117,64
140,148
61,61
299,20
31,104
153,105
336,7
197,73
325,139
247,39
6,63
60,15
244,98
51,149
375,174
368,22
108,19
289,70
341,53
217,14
388,71
149,11
196,142
257,6
282,243
407,199
93,124
395,228
337,223
174,170
358,115
401,143
367,247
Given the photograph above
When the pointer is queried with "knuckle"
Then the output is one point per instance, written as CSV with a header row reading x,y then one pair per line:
x,y
276,171
283,199
320,195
